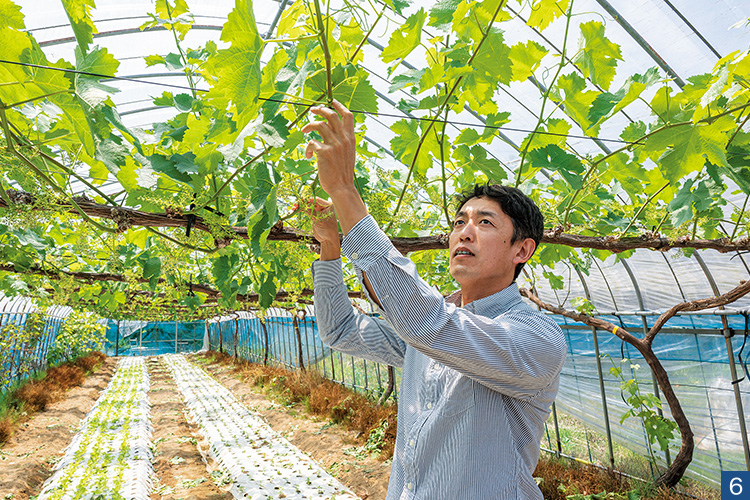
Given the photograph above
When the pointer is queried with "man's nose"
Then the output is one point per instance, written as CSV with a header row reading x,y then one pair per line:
x,y
467,232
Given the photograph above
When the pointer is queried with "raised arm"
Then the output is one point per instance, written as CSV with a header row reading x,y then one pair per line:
x,y
338,325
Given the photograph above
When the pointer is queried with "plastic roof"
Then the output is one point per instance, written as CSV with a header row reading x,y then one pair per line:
x,y
681,37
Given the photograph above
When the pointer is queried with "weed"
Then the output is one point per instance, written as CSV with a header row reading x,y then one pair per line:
x,y
65,376
6,429
35,396
191,483
221,478
25,398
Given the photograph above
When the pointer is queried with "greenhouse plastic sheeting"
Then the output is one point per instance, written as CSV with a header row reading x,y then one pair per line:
x,y
136,338
698,368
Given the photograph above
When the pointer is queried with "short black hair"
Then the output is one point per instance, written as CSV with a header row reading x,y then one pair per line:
x,y
528,221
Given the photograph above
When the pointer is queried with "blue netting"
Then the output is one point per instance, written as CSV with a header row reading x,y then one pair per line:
x,y
153,338
247,339
20,359
699,371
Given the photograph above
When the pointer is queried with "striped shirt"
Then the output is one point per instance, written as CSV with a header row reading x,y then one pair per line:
x,y
477,381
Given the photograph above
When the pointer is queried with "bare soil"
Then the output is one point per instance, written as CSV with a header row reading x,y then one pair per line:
x,y
179,466
182,468
30,455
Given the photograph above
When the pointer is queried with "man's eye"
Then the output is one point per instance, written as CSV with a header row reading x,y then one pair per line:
x,y
457,222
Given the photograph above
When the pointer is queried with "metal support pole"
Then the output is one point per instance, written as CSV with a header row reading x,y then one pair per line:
x,y
558,453
602,391
732,368
645,327
604,401
737,396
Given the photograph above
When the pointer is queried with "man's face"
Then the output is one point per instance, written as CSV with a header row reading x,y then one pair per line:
x,y
482,257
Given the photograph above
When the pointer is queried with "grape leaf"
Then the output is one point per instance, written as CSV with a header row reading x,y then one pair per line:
x,y
267,292
405,79
555,131
681,206
80,20
571,90
606,104
112,153
686,148
167,166
493,61
236,70
274,131
738,166
10,15
405,38
223,270
357,94
98,60
526,59
151,265
552,157
442,11
597,56
475,159
404,145
543,12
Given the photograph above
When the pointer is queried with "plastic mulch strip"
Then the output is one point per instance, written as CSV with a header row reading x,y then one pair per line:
x,y
110,456
261,463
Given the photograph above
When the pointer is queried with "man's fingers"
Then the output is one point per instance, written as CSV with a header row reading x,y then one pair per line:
x,y
346,116
312,147
321,204
330,115
322,128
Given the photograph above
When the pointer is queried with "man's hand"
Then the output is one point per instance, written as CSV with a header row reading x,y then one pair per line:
x,y
325,228
337,155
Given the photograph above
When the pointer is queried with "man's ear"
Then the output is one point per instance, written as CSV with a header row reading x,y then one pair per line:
x,y
524,250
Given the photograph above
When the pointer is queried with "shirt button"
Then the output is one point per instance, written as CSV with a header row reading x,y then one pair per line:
x,y
355,255
429,406
412,442
436,367
410,486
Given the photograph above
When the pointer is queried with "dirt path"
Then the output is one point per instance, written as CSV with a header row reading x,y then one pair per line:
x,y
331,446
29,457
178,464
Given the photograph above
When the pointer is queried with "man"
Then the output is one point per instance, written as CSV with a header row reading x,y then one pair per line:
x,y
480,369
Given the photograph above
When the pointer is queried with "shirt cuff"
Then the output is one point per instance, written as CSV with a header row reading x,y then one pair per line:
x,y
365,243
327,273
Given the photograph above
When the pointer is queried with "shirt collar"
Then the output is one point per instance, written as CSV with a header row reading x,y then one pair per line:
x,y
492,305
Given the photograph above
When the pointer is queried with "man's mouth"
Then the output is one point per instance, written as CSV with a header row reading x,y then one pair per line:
x,y
462,252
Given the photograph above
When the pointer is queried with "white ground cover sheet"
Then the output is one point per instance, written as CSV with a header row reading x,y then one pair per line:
x,y
263,465
110,456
